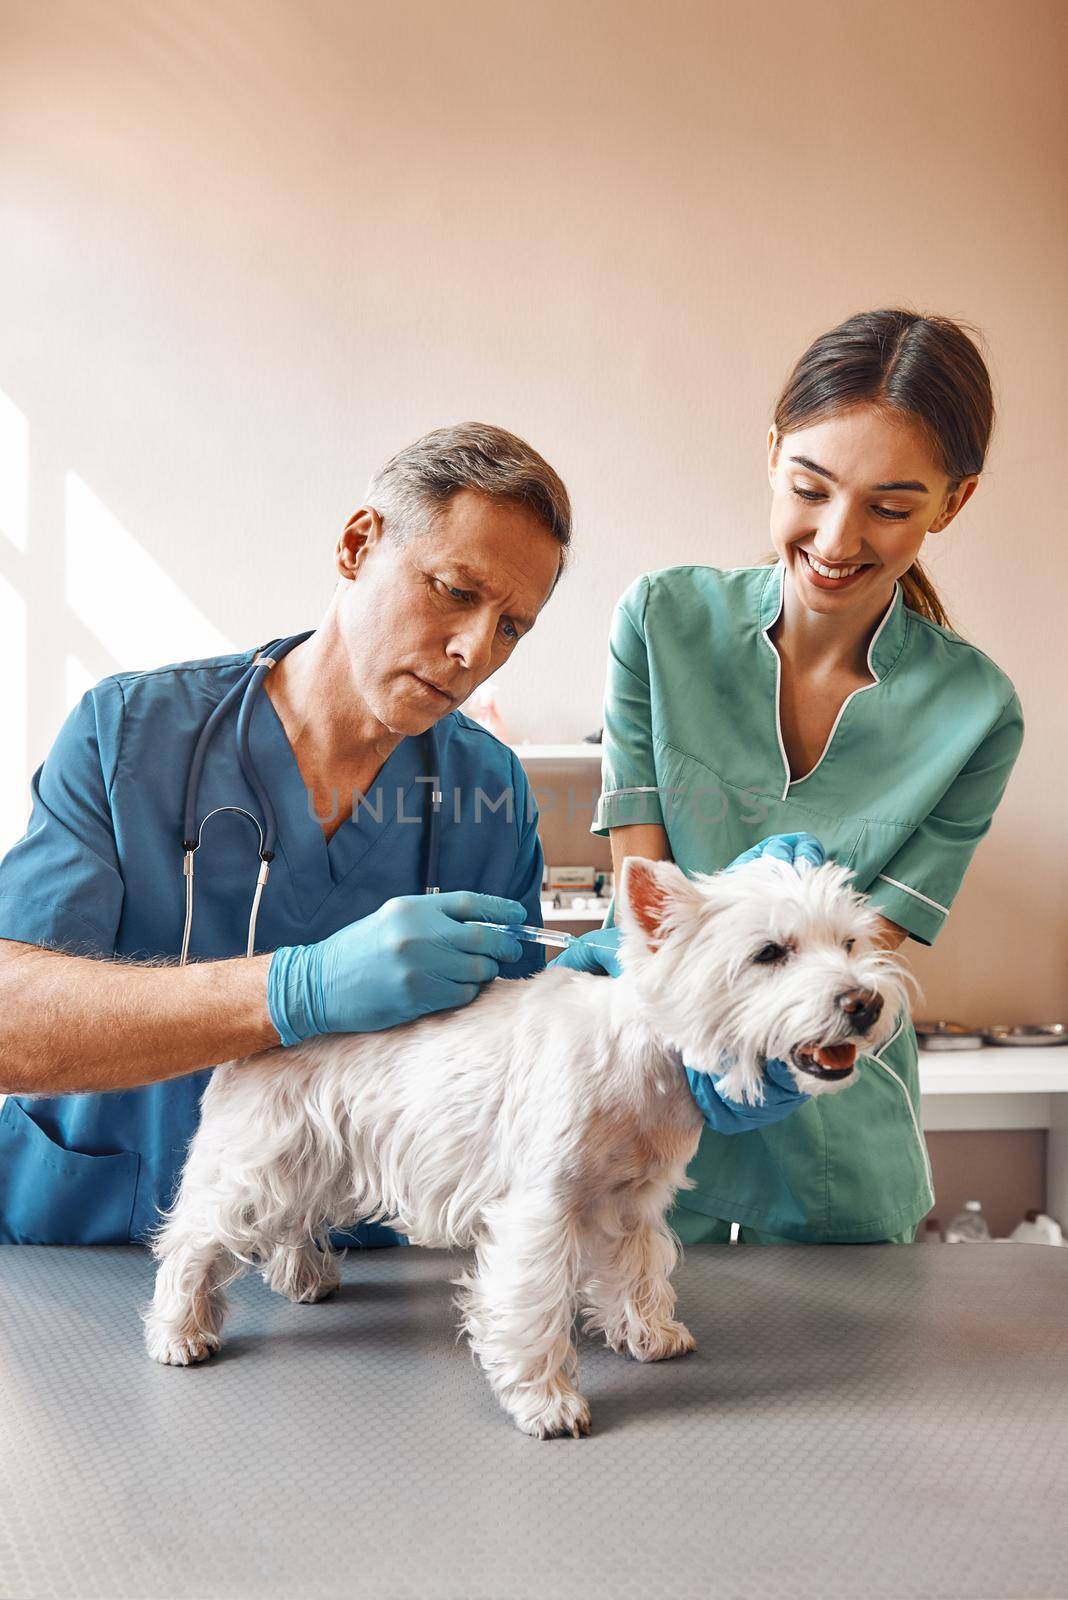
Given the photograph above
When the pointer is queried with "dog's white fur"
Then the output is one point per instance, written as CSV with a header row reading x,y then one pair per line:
x,y
547,1126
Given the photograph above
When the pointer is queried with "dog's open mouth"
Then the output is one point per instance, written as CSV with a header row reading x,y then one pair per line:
x,y
825,1060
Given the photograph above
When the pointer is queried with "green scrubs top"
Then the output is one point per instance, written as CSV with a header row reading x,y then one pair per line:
x,y
905,788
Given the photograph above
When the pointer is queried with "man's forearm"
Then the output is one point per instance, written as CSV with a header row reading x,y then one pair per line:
x,y
73,1025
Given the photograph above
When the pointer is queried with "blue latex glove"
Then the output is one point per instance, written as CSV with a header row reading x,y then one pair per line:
x,y
791,847
593,952
416,954
781,1097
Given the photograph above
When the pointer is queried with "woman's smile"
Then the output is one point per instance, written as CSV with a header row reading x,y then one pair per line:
x,y
846,576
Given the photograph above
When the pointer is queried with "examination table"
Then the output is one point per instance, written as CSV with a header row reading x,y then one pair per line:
x,y
865,1421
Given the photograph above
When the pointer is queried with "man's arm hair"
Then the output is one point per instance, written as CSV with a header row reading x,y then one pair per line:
x,y
80,1024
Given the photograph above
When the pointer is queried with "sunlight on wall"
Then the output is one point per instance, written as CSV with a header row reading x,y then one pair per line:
x,y
14,473
14,795
123,596
14,531
77,678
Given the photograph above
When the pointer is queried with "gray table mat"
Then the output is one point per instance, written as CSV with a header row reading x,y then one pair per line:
x,y
860,1421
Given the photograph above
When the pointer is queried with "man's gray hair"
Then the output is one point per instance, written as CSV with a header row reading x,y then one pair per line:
x,y
419,481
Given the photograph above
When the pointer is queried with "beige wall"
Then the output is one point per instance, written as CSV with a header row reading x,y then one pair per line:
x,y
250,247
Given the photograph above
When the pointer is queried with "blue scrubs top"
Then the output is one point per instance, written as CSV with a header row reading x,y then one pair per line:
x,y
99,872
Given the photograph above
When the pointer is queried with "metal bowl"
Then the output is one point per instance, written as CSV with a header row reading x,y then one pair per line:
x,y
947,1036
1027,1033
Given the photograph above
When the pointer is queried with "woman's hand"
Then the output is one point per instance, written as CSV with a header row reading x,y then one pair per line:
x,y
781,1098
593,952
791,847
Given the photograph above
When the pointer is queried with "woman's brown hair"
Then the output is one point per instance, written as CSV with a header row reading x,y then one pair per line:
x,y
924,368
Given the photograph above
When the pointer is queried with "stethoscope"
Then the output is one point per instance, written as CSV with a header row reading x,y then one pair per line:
x,y
245,689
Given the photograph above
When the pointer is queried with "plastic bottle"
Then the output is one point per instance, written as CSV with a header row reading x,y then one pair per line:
x,y
968,1226
1037,1228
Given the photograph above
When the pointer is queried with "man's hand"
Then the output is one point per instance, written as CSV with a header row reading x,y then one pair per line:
x,y
416,954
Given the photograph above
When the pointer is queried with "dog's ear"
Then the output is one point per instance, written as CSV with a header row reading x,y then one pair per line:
x,y
651,894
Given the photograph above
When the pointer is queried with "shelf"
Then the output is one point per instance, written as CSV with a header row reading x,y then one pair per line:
x,y
559,755
551,916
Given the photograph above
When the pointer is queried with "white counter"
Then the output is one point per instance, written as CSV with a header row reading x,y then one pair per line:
x,y
998,1087
996,1069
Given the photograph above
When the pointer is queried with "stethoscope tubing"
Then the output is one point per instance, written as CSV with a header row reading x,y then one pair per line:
x,y
245,690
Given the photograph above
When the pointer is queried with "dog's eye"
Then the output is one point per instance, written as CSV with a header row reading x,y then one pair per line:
x,y
847,945
771,953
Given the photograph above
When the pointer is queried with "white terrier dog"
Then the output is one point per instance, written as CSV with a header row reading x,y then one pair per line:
x,y
547,1126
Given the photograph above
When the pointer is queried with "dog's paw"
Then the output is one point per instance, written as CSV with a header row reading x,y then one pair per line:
x,y
180,1350
303,1275
661,1343
564,1414
310,1294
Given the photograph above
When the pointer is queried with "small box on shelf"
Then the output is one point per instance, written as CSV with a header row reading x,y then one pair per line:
x,y
575,894
571,880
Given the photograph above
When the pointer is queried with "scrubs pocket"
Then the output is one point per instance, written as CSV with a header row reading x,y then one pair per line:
x,y
51,1195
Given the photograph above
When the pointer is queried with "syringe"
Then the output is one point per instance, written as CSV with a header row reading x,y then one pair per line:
x,y
550,937
529,935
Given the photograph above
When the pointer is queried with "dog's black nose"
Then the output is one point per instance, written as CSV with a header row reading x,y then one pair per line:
x,y
862,1007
